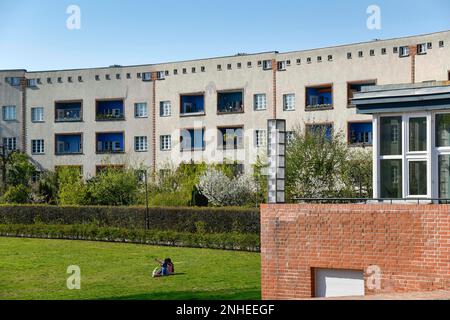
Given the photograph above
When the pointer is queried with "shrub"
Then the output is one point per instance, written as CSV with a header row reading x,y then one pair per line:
x,y
17,194
72,190
212,220
221,190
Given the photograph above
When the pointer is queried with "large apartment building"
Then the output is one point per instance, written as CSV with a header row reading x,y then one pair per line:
x,y
210,110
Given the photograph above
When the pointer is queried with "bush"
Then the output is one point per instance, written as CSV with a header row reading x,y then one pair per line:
x,y
223,220
233,241
72,190
19,194
221,190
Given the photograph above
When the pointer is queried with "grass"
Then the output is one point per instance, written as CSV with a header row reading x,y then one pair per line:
x,y
36,270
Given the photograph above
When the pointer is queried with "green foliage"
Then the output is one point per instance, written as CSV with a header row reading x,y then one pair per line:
x,y
19,194
19,169
71,187
226,241
212,220
260,177
113,187
48,187
320,167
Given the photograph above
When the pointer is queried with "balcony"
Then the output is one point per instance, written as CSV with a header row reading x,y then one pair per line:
x,y
68,111
230,138
319,98
360,134
321,130
110,142
355,87
110,110
68,144
192,139
192,105
230,102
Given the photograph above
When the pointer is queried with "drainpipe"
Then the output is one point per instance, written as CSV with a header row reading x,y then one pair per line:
x,y
413,53
23,88
274,87
154,123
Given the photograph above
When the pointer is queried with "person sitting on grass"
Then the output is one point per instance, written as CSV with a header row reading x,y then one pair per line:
x,y
166,268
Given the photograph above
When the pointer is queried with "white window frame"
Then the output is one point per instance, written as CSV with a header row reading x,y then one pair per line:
x,y
10,143
260,102
37,111
37,146
140,143
404,51
165,109
260,138
9,113
289,104
165,142
140,110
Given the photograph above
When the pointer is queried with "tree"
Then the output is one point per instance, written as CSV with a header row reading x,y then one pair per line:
x,y
71,187
320,166
221,190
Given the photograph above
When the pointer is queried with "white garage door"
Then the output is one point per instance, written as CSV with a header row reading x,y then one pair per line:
x,y
339,283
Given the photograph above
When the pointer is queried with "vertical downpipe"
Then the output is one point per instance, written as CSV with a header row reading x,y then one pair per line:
x,y
23,87
154,123
274,87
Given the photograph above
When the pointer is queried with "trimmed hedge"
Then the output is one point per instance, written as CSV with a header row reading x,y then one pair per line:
x,y
190,220
226,241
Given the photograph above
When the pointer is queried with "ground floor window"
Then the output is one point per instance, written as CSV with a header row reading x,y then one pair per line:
x,y
418,182
391,179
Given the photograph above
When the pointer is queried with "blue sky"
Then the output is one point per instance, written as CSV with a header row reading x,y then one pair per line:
x,y
33,33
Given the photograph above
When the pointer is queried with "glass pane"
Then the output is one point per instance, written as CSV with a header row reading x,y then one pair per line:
x,y
443,130
391,136
418,178
418,134
391,179
444,177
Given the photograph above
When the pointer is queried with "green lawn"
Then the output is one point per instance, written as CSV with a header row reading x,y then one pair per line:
x,y
36,269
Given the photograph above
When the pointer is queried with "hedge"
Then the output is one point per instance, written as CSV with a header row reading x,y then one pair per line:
x,y
190,220
226,241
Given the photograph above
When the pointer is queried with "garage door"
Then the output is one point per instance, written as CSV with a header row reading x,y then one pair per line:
x,y
339,283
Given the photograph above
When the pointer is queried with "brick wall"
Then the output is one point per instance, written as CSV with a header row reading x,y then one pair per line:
x,y
410,244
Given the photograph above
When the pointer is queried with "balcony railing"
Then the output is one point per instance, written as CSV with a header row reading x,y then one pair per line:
x,y
68,115
110,116
236,107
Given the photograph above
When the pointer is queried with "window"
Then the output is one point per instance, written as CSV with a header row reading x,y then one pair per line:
x,y
138,75
267,64
249,64
360,54
80,79
184,71
360,133
165,109
49,80
166,73
404,51
118,76
281,65
147,76
290,135
219,67
444,176
175,71
140,144
330,57
288,63
110,142
441,44
443,130
14,81
418,178
69,79
319,97
418,134
202,69
192,104
395,50
372,53
97,78
192,139
230,102
10,144
60,80
260,138
429,45
9,113
229,66
349,55
128,75
308,60
422,48
230,138
391,179
67,144
319,59
260,102
37,114
383,51
108,77
166,143
37,146
391,136
289,102
140,110
32,83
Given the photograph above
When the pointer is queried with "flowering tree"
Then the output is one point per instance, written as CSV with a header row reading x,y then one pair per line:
x,y
221,190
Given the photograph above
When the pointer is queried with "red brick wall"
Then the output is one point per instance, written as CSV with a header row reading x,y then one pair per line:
x,y
410,243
